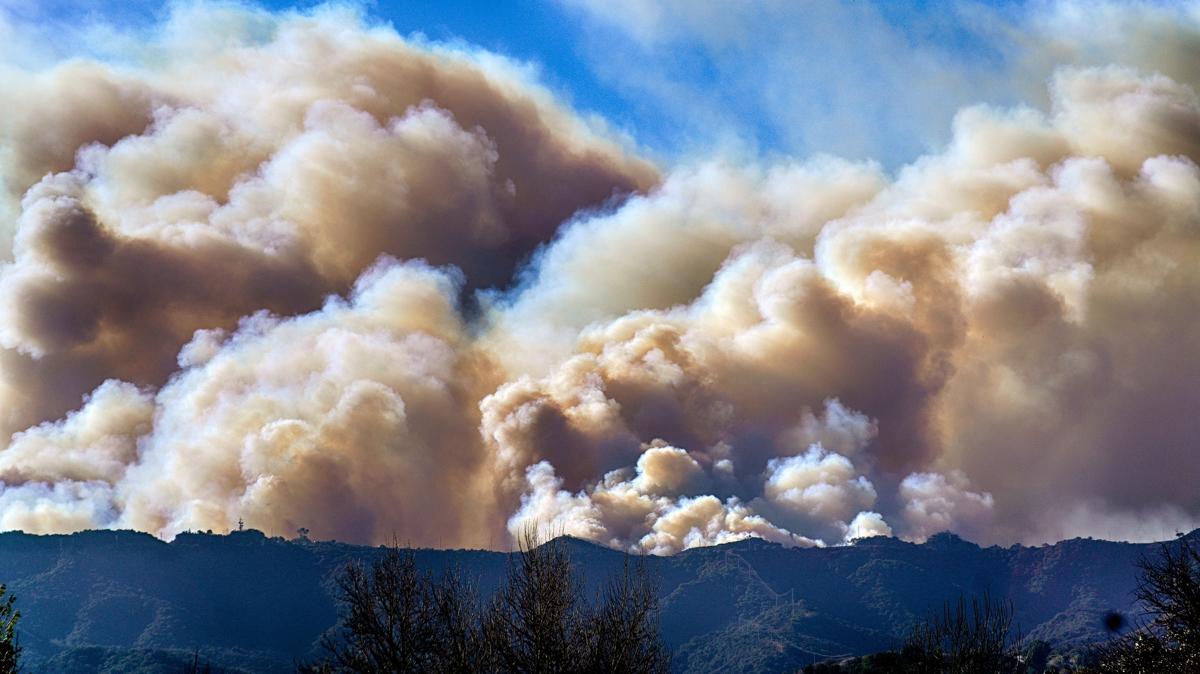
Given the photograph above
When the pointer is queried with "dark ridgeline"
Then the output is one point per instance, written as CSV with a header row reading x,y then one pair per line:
x,y
124,601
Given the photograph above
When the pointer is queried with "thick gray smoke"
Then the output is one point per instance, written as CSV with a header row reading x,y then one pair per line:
x,y
331,278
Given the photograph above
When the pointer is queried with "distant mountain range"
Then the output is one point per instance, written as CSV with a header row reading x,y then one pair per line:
x,y
123,601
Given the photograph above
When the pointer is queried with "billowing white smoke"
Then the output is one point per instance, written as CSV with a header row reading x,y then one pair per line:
x,y
331,279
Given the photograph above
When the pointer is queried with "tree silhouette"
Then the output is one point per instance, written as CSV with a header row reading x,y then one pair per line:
x,y
623,629
387,620
536,622
1169,589
457,641
194,666
962,641
396,618
10,650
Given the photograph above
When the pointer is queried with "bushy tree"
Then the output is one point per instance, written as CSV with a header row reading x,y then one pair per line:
x,y
537,622
1169,643
623,630
458,632
962,641
398,619
10,649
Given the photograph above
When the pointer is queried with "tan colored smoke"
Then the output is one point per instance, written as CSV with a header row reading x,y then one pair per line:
x,y
263,177
286,278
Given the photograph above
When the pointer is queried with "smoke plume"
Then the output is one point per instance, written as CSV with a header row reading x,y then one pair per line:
x,y
317,275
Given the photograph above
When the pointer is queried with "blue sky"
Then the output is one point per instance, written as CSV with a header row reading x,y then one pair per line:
x,y
600,67
863,80
543,32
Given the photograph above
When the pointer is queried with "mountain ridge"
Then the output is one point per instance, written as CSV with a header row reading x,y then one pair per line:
x,y
126,601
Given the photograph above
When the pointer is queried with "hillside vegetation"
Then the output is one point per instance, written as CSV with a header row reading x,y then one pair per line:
x,y
125,601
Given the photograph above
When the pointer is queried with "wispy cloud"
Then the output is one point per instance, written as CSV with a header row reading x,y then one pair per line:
x,y
860,80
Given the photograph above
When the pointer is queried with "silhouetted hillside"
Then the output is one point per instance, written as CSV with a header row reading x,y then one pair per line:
x,y
125,601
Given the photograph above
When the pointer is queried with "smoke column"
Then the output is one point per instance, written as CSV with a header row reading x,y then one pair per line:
x,y
310,273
